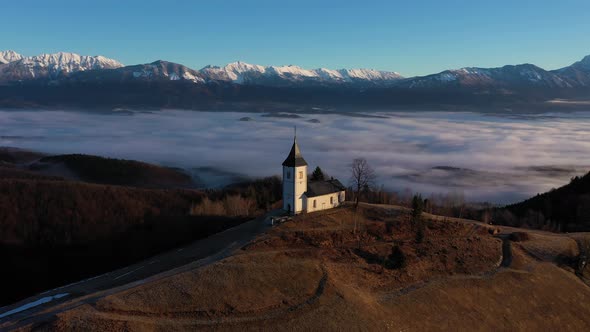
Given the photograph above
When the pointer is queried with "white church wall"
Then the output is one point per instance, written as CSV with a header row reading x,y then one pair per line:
x,y
324,202
294,185
300,178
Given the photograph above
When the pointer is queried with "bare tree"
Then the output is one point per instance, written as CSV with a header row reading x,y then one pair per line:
x,y
362,177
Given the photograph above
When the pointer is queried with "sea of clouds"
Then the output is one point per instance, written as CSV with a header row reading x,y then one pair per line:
x,y
500,158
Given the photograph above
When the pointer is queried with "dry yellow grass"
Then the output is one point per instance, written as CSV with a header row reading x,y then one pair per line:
x,y
309,274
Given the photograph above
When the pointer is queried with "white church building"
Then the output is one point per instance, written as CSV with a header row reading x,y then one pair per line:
x,y
301,195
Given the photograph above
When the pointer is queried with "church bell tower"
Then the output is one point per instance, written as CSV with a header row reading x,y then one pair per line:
x,y
294,180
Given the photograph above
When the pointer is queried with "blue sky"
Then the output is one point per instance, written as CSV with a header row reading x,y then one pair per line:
x,y
411,37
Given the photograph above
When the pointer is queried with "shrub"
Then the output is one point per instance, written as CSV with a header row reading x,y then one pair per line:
x,y
229,206
397,258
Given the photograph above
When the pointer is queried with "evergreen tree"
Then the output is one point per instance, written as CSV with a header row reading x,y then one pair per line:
x,y
317,175
417,208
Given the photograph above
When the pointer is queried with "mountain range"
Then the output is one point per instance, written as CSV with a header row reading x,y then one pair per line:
x,y
242,82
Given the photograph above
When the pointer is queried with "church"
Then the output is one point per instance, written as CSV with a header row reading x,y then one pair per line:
x,y
303,196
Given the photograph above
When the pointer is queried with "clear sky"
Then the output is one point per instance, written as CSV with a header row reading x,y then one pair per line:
x,y
412,37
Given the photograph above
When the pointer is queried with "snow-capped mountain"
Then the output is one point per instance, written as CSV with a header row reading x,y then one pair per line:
x,y
66,79
245,73
74,67
502,77
155,71
9,56
53,66
236,72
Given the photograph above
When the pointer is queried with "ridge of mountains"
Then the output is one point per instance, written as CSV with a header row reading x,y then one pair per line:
x,y
240,82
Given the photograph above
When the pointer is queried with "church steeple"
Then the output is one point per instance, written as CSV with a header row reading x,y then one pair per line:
x,y
295,159
294,180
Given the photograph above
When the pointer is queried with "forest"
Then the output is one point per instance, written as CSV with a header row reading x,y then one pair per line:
x,y
565,209
54,231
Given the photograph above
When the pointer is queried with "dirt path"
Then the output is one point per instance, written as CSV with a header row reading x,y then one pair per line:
x,y
503,265
506,251
192,318
197,254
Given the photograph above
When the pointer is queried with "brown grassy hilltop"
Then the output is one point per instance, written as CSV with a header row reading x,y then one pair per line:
x,y
334,270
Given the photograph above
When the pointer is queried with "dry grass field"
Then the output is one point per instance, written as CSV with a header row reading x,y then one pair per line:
x,y
333,270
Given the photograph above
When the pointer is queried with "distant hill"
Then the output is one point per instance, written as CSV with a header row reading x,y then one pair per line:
x,y
15,155
113,171
565,209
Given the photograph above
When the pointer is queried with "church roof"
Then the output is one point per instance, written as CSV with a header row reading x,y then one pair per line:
x,y
319,188
294,159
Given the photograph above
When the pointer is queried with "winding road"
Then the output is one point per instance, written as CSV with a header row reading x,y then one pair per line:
x,y
203,252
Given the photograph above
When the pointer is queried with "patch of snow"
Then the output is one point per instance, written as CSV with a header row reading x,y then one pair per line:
x,y
330,74
33,304
9,56
370,74
53,65
447,77
292,71
241,72
191,77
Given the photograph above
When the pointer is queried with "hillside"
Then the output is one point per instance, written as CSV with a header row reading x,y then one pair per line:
x,y
56,229
113,171
317,273
565,209
10,155
93,169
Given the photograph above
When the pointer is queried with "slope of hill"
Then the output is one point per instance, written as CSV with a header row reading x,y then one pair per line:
x,y
18,156
318,273
54,231
112,171
564,209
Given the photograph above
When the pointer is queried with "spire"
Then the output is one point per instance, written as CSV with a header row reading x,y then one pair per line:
x,y
295,159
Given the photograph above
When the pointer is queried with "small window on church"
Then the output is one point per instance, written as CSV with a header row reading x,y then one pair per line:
x,y
300,175
314,205
331,200
288,174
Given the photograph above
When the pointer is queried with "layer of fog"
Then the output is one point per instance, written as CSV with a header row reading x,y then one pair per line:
x,y
486,157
